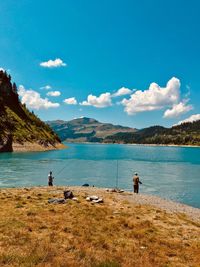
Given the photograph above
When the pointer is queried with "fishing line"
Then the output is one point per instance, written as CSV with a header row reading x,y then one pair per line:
x,y
57,173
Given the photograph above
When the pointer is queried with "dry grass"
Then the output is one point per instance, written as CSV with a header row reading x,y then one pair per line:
x,y
113,234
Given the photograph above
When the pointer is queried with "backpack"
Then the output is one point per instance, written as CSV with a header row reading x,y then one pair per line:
x,y
68,194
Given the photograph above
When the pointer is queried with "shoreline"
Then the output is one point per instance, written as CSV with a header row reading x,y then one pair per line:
x,y
133,144
166,205
35,147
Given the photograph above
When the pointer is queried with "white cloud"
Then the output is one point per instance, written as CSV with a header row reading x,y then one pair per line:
x,y
177,110
70,101
53,63
154,98
46,87
2,69
33,99
102,101
54,93
122,91
192,118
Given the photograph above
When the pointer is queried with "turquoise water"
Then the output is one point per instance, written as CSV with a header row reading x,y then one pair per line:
x,y
169,172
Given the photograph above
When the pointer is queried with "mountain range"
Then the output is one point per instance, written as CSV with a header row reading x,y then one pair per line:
x,y
90,130
86,130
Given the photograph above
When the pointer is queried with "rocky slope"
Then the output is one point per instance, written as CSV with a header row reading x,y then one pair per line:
x,y
21,129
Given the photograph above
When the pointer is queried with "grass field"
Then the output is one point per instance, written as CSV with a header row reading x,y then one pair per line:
x,y
79,233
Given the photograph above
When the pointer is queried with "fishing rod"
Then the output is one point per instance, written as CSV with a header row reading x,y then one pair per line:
x,y
117,174
62,169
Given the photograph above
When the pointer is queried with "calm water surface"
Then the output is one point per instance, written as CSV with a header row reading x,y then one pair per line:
x,y
169,172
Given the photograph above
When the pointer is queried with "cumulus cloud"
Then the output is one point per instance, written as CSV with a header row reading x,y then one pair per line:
x,y
102,101
192,118
46,87
53,63
54,93
177,110
154,98
33,99
122,91
70,101
2,69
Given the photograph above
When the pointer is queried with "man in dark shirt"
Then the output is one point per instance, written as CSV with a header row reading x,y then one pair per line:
x,y
136,182
50,179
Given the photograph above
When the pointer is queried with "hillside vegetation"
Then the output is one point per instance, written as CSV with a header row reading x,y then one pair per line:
x,y
17,124
90,130
183,134
86,130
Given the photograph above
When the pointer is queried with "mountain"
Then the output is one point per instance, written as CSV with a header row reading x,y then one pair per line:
x,y
20,129
86,130
90,130
183,134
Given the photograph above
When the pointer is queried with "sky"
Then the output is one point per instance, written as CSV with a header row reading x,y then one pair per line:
x,y
128,62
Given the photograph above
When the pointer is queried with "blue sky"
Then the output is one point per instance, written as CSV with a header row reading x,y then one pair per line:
x,y
148,49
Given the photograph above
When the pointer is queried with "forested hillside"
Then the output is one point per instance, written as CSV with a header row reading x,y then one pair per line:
x,y
17,124
184,134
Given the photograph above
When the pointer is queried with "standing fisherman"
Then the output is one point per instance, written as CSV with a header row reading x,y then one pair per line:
x,y
136,182
50,179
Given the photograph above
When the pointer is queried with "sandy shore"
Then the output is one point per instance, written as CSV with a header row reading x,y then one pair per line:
x,y
34,147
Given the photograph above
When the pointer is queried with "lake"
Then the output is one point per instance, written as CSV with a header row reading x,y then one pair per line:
x,y
170,172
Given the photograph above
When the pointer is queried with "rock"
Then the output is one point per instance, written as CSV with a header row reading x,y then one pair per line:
x,y
115,190
94,199
86,184
6,144
56,201
75,198
100,200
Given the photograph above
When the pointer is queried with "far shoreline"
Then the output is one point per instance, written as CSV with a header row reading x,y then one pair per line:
x,y
35,147
133,144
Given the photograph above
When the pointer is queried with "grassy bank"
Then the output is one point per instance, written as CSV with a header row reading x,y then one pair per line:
x,y
79,233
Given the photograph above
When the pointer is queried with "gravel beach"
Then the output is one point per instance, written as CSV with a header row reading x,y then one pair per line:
x,y
167,205
142,199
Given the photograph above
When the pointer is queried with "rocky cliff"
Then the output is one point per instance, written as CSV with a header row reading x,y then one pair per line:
x,y
21,129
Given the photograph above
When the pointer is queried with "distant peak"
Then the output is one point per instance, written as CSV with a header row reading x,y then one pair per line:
x,y
84,120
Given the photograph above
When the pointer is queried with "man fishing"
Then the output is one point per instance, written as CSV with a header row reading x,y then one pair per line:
x,y
136,182
50,179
